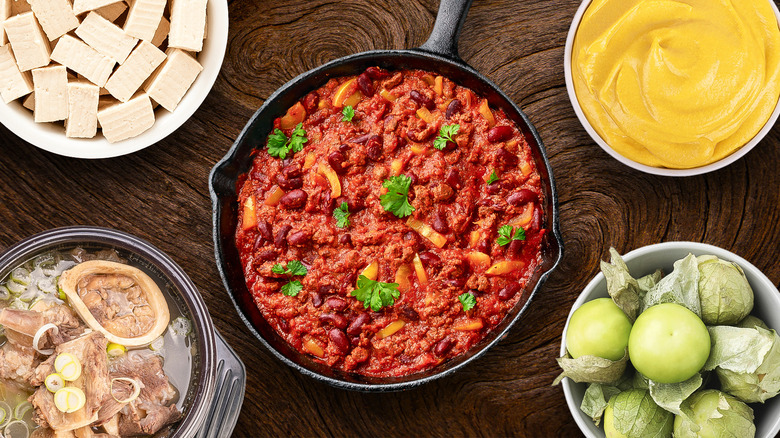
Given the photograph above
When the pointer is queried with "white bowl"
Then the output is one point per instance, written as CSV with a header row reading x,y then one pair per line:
x,y
739,153
646,260
51,137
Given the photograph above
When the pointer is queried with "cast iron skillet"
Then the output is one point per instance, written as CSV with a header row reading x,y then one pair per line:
x,y
439,54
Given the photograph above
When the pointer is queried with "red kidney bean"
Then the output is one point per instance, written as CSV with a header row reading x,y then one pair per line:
x,y
439,223
374,147
483,247
453,108
358,323
327,204
452,178
258,242
377,73
409,314
339,339
457,282
521,197
360,139
298,238
365,85
349,282
412,176
336,303
293,199
316,299
337,320
536,222
495,188
283,325
508,291
422,99
264,228
345,239
292,171
316,118
289,183
281,236
265,255
430,259
310,102
514,248
335,159
325,289
499,133
443,347
506,158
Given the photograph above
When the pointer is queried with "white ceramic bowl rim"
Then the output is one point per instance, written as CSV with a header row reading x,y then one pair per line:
x,y
51,137
739,153
766,294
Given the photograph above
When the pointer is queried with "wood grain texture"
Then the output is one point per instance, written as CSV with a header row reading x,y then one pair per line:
x,y
161,194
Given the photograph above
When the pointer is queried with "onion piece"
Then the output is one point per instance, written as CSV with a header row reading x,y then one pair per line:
x,y
17,429
44,328
54,382
136,389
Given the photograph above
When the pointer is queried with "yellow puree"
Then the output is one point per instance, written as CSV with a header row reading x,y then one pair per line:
x,y
677,83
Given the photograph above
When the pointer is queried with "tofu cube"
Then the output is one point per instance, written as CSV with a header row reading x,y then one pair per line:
x,y
29,102
188,23
30,45
129,77
113,11
144,18
106,37
82,59
5,12
56,17
125,120
81,6
13,83
82,110
51,93
173,78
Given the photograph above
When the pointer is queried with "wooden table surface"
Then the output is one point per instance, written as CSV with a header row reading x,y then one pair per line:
x,y
161,194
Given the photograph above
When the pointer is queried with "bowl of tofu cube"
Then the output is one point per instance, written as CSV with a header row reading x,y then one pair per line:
x,y
105,78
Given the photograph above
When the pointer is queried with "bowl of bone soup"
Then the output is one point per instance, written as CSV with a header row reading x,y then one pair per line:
x,y
675,88
100,332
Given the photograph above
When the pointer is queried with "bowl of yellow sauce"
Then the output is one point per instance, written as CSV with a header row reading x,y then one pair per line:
x,y
675,87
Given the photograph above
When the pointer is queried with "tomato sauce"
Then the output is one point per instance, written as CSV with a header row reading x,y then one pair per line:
x,y
449,246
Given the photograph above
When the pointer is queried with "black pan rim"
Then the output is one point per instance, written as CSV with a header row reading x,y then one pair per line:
x,y
323,70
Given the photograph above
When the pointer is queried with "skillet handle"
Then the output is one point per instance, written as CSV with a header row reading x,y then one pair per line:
x,y
444,37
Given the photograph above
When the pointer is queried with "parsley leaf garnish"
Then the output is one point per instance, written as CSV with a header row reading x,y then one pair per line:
x,y
445,134
468,301
292,288
341,215
493,178
279,145
505,234
294,267
348,113
375,294
395,200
